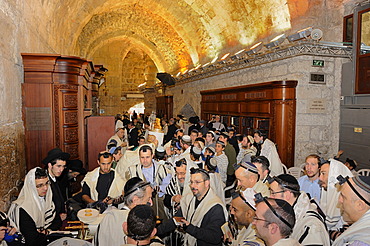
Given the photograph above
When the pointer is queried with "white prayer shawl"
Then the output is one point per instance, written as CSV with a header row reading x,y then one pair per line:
x,y
243,152
247,236
130,158
189,164
119,142
30,202
268,150
329,198
195,216
91,179
262,188
287,242
358,231
174,187
110,230
217,186
186,155
306,221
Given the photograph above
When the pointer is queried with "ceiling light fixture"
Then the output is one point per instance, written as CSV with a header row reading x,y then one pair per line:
x,y
275,42
254,49
214,59
301,34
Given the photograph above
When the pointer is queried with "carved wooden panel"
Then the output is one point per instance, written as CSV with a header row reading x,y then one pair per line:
x,y
70,117
72,149
70,100
228,97
255,95
70,134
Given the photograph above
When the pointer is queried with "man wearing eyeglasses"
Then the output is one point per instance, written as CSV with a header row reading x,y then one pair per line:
x,y
274,221
355,201
202,213
310,227
34,211
103,183
177,186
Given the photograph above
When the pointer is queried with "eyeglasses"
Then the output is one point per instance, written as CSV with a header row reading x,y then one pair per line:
x,y
284,184
275,192
260,198
256,218
196,182
39,186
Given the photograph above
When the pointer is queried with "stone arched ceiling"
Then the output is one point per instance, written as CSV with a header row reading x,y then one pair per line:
x,y
180,33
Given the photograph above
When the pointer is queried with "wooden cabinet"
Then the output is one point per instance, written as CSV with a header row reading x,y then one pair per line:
x,y
164,106
57,97
267,106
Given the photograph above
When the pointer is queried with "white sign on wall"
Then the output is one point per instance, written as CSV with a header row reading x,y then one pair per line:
x,y
316,106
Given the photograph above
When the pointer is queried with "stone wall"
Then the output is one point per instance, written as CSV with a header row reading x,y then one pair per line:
x,y
315,132
19,33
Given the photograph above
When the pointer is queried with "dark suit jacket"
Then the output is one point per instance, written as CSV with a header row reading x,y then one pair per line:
x,y
170,132
58,200
133,134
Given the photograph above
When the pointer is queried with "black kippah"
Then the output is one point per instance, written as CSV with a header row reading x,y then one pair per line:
x,y
143,211
131,183
287,178
285,206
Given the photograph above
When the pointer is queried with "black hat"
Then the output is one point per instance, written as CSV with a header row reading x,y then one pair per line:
x,y
55,154
76,166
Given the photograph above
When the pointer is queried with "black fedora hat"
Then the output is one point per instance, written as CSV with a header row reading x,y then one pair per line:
x,y
76,166
55,154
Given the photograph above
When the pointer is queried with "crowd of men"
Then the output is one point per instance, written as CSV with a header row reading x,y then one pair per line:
x,y
204,185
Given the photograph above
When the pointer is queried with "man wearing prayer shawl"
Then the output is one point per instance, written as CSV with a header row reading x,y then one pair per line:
x,y
203,213
329,192
355,201
151,171
102,182
109,232
34,211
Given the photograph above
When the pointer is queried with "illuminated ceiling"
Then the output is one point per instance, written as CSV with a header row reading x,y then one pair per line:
x,y
177,35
